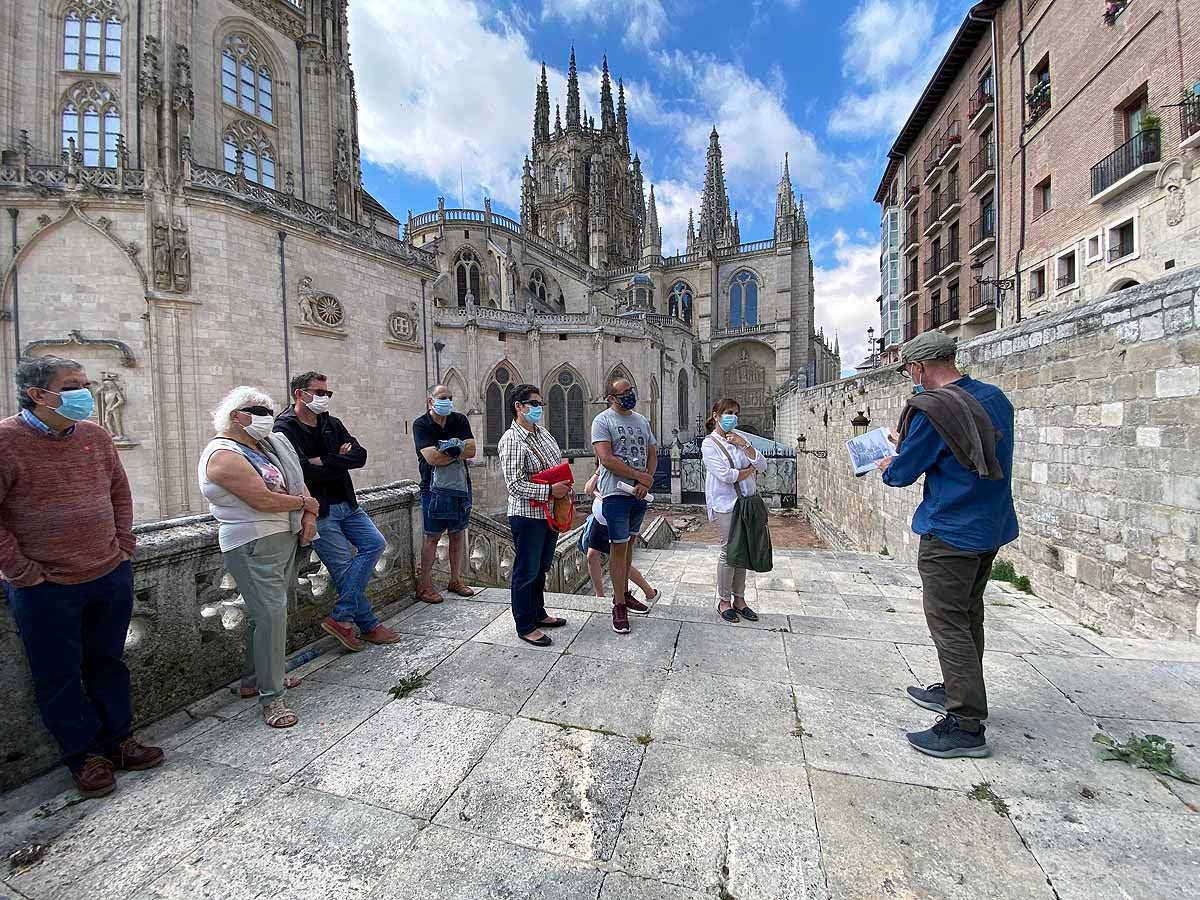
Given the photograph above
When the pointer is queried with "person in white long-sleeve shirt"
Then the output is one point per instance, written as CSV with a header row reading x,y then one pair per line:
x,y
730,463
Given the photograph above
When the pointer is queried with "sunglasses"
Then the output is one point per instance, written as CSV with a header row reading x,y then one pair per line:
x,y
320,393
258,411
534,403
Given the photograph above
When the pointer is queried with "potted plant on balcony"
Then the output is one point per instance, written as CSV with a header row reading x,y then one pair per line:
x,y
1112,9
1151,121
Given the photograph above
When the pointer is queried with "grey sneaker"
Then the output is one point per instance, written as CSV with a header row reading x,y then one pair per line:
x,y
946,740
932,697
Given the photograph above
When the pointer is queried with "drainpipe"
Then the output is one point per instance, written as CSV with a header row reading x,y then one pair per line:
x,y
425,333
1021,231
287,360
137,107
16,284
997,192
300,106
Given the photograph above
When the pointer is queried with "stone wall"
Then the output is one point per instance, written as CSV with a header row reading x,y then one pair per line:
x,y
1106,472
187,636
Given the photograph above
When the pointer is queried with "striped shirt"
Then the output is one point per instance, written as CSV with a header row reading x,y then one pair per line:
x,y
522,454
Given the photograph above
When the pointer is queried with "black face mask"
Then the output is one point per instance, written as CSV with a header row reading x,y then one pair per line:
x,y
628,400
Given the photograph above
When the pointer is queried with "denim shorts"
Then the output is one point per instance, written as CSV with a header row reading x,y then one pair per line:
x,y
597,538
624,514
445,513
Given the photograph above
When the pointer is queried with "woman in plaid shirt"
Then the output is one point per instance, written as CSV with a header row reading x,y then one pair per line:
x,y
526,449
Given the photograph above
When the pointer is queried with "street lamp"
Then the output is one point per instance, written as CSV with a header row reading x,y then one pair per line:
x,y
860,423
801,440
438,347
871,345
1001,284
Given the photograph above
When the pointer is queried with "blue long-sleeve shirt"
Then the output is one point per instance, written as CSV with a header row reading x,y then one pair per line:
x,y
959,507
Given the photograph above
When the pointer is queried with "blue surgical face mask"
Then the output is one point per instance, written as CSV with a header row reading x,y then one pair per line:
x,y
533,415
443,406
918,388
728,422
628,400
76,405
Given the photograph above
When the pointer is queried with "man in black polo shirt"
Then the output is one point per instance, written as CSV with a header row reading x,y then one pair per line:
x,y
444,442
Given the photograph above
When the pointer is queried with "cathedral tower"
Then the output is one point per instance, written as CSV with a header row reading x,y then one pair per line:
x,y
717,227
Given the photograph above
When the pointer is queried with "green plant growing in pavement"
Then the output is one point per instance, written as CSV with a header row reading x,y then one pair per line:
x,y
644,739
1153,752
409,683
1003,570
1091,627
983,793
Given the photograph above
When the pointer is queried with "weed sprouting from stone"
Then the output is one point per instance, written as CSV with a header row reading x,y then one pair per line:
x,y
1090,627
1003,570
409,683
984,794
1153,752
644,739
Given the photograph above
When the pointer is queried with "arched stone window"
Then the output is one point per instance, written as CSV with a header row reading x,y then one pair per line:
x,y
682,420
92,36
537,284
743,300
246,77
562,231
566,399
562,179
466,276
258,157
498,403
92,117
619,372
680,301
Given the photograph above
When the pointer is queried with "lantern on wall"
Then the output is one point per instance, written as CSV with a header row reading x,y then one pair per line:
x,y
860,423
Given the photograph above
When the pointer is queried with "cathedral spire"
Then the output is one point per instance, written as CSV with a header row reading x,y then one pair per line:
x,y
691,237
786,219
652,234
622,116
541,110
572,95
608,120
557,120
716,224
801,222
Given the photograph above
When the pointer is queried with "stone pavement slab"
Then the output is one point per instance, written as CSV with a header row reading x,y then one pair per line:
x,y
844,664
650,642
407,758
740,716
727,650
598,693
487,676
295,843
378,668
1122,688
567,796
503,632
619,886
453,865
707,615
1012,681
327,713
708,820
112,850
880,839
457,618
1090,853
1140,648
863,734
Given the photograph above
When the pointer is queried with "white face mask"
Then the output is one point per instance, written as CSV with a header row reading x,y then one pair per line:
x,y
318,405
259,427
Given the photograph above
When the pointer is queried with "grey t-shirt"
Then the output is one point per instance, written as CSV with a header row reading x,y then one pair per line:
x,y
631,439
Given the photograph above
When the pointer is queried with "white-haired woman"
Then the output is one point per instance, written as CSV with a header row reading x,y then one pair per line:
x,y
254,486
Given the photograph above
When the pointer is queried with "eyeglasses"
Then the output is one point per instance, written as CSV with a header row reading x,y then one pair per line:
x,y
258,411
320,393
533,403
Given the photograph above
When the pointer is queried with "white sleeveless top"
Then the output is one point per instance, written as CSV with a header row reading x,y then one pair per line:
x,y
240,522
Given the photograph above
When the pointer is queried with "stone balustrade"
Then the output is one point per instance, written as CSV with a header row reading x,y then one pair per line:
x,y
187,635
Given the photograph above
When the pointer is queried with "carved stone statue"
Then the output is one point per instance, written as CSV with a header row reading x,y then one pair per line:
x,y
181,258
162,257
110,399
343,156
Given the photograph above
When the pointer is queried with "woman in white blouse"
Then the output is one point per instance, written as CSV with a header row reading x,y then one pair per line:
x,y
730,462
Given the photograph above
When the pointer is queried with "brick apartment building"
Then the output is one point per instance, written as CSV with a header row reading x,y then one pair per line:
x,y
1051,159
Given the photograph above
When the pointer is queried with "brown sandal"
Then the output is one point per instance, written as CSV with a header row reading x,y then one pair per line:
x,y
460,588
278,715
429,596
289,682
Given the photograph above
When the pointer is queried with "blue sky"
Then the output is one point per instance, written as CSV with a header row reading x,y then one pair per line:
x,y
446,93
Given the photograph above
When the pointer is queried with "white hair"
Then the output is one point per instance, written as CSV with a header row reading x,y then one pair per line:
x,y
242,395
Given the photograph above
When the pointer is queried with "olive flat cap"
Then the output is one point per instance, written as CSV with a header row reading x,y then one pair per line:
x,y
929,345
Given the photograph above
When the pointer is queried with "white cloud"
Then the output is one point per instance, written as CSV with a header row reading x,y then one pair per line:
x,y
845,296
673,199
645,20
892,49
445,91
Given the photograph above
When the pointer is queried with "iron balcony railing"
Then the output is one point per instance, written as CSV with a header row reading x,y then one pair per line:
x,y
982,296
911,326
1065,281
982,162
980,99
984,228
1143,148
912,282
951,139
912,190
950,310
933,212
1120,251
933,265
1189,116
948,255
950,195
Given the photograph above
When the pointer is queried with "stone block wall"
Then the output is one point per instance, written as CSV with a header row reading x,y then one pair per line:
x,y
1106,471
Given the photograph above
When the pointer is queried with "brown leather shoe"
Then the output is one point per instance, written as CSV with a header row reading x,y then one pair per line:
x,y
380,634
133,756
95,779
344,633
461,588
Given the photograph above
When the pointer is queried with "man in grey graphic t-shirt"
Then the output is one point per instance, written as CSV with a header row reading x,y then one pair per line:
x,y
628,453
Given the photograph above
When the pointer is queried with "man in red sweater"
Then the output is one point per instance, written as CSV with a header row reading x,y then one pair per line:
x,y
66,541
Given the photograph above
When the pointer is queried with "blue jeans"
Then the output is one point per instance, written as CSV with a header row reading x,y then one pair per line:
x,y
442,513
74,636
345,530
533,551
624,514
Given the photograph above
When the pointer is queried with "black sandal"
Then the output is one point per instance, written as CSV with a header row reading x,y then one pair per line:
x,y
729,615
553,623
746,612
543,641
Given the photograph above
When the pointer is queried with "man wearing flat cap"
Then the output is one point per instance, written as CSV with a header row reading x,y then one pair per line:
x,y
958,433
